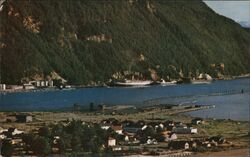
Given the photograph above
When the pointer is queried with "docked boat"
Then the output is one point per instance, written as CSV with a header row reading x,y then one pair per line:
x,y
132,83
201,81
167,83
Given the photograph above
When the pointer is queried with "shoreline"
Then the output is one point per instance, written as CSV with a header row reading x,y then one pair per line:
x,y
75,87
238,152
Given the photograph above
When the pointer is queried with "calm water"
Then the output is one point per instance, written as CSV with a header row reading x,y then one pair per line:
x,y
226,95
236,106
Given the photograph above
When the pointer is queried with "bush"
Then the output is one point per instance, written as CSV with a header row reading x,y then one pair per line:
x,y
41,146
7,148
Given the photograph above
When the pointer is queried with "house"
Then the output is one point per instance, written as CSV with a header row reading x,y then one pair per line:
x,y
130,139
51,83
165,134
117,148
197,121
111,142
156,125
184,130
169,123
131,129
193,130
2,130
37,83
24,118
2,119
2,136
16,132
106,126
186,146
126,138
2,86
169,136
117,129
10,118
14,87
181,144
218,139
172,136
28,86
16,141
42,83
151,141
101,107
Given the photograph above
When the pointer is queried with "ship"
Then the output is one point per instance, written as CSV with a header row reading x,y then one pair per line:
x,y
132,83
201,81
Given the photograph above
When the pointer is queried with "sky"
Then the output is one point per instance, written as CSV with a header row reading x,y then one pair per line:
x,y
236,10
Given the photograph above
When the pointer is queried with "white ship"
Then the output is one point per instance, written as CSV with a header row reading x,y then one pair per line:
x,y
201,81
133,83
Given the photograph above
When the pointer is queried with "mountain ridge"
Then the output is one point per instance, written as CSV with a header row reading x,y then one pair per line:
x,y
86,41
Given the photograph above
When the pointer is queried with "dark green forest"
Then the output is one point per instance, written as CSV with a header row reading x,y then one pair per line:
x,y
90,40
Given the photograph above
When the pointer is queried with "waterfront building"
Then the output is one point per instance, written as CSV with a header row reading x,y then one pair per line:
x,y
2,86
28,86
51,83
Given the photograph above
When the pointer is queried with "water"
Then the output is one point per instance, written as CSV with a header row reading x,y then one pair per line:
x,y
226,95
235,106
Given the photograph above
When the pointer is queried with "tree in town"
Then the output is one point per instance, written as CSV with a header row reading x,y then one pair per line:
x,y
44,132
7,148
76,144
41,146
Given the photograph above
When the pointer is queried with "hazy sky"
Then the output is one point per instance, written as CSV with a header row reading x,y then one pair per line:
x,y
236,10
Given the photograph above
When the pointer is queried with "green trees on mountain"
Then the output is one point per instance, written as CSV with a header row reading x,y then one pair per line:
x,y
86,41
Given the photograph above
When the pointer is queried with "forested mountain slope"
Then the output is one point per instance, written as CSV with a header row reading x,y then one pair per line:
x,y
86,41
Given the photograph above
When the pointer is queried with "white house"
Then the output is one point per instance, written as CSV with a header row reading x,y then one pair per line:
x,y
186,146
17,132
105,126
151,141
2,86
173,136
194,131
111,142
2,136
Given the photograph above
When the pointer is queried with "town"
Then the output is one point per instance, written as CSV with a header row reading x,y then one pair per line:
x,y
114,134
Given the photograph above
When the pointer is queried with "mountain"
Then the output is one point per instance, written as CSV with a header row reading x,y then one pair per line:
x,y
245,24
91,41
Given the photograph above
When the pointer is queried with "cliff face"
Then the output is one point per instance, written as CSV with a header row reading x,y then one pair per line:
x,y
86,41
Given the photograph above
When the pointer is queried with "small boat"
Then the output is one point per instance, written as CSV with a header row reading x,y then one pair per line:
x,y
168,83
132,83
202,79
